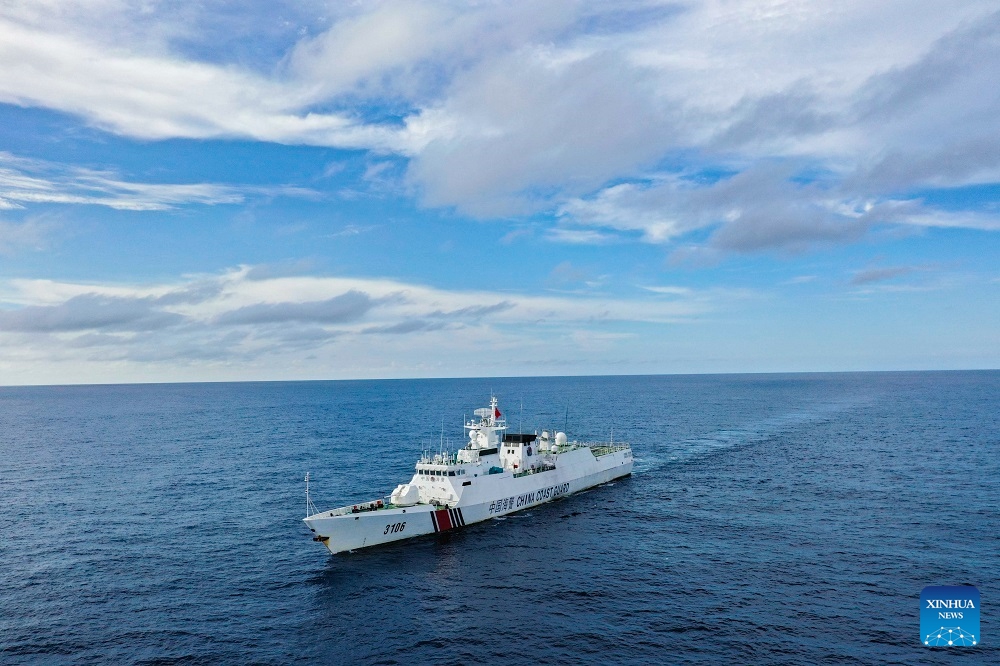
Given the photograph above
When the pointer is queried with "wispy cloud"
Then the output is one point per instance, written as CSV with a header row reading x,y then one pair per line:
x,y
89,312
32,234
566,272
580,236
631,207
872,275
352,230
514,234
800,279
346,307
28,181
668,290
764,207
218,318
158,97
408,326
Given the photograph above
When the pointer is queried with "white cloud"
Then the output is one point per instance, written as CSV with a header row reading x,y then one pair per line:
x,y
360,51
631,207
668,290
760,208
800,279
579,236
563,106
735,81
871,275
24,181
32,234
200,322
159,97
953,220
547,126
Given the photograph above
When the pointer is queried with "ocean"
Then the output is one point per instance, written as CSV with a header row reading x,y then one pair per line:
x,y
770,519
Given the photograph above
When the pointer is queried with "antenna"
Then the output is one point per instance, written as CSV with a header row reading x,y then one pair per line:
x,y
441,442
520,417
566,423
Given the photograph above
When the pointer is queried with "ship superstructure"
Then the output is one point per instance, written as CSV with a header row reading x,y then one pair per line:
x,y
496,473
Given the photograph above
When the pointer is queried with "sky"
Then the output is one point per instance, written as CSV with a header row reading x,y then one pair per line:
x,y
221,191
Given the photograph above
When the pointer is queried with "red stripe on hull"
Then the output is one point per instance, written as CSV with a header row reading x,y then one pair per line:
x,y
443,519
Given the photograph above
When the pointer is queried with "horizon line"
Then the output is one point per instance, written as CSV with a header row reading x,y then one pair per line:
x,y
498,377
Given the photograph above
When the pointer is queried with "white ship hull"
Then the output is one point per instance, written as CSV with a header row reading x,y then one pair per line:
x,y
474,496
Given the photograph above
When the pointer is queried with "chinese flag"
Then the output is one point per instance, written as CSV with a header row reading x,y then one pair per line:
x,y
496,413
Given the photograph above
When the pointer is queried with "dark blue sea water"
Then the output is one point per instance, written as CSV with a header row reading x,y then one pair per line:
x,y
785,519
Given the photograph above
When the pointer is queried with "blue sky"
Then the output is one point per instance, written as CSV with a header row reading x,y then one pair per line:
x,y
309,190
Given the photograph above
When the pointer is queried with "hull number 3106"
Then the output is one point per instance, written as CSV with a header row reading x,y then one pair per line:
x,y
397,527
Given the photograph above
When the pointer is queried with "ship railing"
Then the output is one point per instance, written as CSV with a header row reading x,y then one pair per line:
x,y
439,458
604,448
361,507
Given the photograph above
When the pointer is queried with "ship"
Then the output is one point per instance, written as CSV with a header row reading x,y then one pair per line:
x,y
494,474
